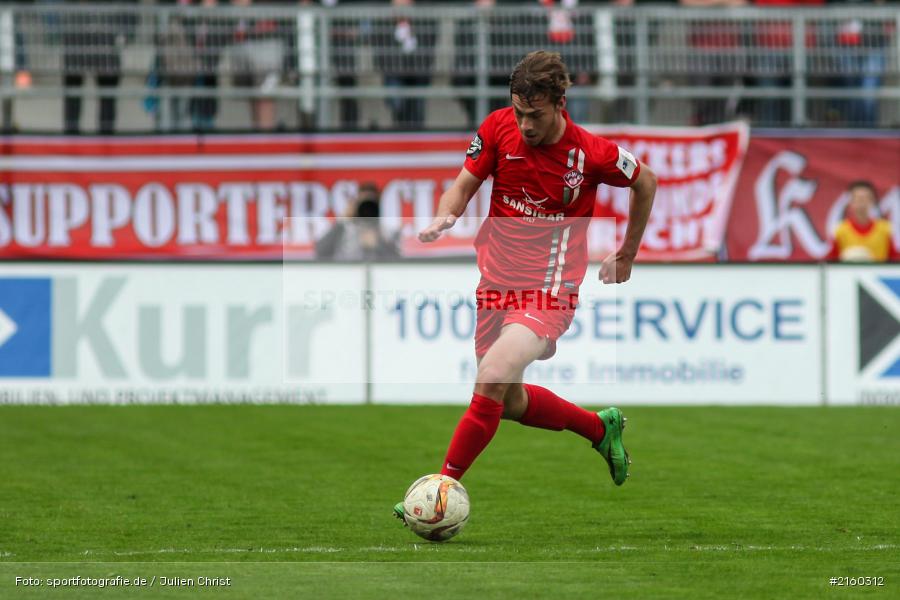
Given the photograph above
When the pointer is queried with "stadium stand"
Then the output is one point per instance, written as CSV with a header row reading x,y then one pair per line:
x,y
202,65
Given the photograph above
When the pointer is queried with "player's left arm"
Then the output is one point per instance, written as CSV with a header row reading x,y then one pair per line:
x,y
616,268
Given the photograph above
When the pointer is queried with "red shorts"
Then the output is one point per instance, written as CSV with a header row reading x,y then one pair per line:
x,y
547,317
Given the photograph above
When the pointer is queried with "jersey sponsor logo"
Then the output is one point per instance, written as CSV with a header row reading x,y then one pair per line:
x,y
511,157
573,178
626,163
530,200
475,147
531,212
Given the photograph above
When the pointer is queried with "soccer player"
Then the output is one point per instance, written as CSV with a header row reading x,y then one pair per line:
x,y
859,237
532,254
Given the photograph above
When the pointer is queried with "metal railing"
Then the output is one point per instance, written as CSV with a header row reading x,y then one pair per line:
x,y
140,68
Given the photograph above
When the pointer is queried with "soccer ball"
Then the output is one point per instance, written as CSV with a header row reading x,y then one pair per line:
x,y
436,507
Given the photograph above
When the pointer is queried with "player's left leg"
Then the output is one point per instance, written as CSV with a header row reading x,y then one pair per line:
x,y
543,409
536,406
533,405
539,407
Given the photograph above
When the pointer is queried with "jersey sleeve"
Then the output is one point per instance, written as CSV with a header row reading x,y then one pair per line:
x,y
613,165
481,157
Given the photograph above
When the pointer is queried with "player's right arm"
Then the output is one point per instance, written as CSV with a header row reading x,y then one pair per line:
x,y
481,159
452,205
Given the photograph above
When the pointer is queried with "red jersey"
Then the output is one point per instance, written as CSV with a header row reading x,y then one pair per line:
x,y
535,236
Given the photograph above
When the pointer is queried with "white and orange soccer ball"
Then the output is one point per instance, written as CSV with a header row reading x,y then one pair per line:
x,y
436,507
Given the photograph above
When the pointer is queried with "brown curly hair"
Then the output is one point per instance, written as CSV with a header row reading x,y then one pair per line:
x,y
540,73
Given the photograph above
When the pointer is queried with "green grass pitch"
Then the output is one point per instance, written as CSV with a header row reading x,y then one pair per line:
x,y
295,502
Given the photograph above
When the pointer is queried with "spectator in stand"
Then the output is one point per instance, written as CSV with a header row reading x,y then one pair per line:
x,y
717,44
861,236
465,62
669,44
209,36
404,53
861,63
92,45
187,57
176,67
357,234
347,34
773,66
573,37
23,75
257,62
345,38
21,80
557,29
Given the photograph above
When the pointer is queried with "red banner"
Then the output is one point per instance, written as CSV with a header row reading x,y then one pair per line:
x,y
697,170
792,193
268,197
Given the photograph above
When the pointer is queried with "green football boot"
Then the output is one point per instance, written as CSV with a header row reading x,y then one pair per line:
x,y
400,513
611,447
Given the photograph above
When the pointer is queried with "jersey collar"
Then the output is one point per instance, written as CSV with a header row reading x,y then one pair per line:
x,y
859,227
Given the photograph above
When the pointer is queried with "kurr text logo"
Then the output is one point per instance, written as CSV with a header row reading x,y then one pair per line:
x,y
48,326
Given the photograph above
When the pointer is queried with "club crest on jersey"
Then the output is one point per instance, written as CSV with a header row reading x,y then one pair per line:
x,y
475,147
573,178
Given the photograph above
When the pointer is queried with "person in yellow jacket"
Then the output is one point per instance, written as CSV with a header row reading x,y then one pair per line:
x,y
859,237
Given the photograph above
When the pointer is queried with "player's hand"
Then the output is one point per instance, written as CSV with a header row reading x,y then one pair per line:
x,y
616,268
433,231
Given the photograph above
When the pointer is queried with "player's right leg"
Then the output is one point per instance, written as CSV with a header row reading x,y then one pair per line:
x,y
505,361
499,371
500,367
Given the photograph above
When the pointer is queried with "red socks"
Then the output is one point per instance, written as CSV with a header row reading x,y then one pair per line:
x,y
546,410
476,428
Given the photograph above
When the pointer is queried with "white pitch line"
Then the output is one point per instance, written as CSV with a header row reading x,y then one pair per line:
x,y
309,550
738,548
748,547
